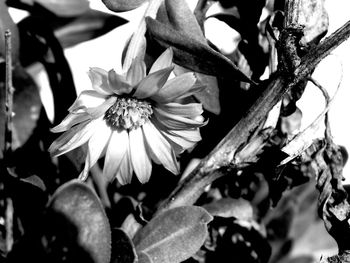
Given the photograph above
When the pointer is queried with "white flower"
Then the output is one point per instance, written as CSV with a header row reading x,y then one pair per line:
x,y
132,119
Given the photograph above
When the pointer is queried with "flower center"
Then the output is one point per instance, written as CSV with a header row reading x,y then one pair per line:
x,y
128,113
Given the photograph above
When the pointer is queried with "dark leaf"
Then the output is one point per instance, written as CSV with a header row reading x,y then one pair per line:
x,y
79,223
36,181
42,46
65,8
244,18
229,207
182,19
123,250
192,54
174,235
179,16
208,96
122,5
200,11
91,24
26,107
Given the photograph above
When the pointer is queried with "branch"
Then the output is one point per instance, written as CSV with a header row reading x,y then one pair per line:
x,y
8,136
223,155
9,95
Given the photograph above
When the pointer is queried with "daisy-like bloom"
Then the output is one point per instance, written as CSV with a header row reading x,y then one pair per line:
x,y
132,119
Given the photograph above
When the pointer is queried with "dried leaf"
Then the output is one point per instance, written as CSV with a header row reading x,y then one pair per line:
x,y
192,54
229,207
122,5
174,235
306,137
123,248
80,222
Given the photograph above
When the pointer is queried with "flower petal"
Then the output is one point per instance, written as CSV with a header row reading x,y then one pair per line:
x,y
75,137
96,145
190,110
195,88
124,174
99,80
163,61
152,83
116,151
101,109
159,148
140,160
175,122
136,72
71,120
183,140
118,83
175,87
87,99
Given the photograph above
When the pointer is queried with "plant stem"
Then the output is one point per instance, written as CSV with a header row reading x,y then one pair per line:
x,y
223,155
8,135
9,95
9,224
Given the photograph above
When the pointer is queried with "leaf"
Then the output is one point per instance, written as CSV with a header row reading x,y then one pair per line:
x,y
26,107
192,54
179,16
208,96
174,235
123,250
80,223
65,8
43,46
90,25
305,138
182,19
144,258
35,181
229,207
130,225
122,5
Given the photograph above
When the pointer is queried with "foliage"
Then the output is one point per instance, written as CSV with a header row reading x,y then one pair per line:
x,y
251,194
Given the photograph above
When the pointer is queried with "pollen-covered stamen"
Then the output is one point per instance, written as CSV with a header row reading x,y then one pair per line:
x,y
128,113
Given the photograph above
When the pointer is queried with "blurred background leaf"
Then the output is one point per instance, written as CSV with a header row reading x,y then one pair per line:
x,y
174,235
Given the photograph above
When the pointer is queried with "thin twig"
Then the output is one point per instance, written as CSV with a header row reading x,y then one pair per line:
x,y
9,95
8,135
208,170
327,133
9,224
